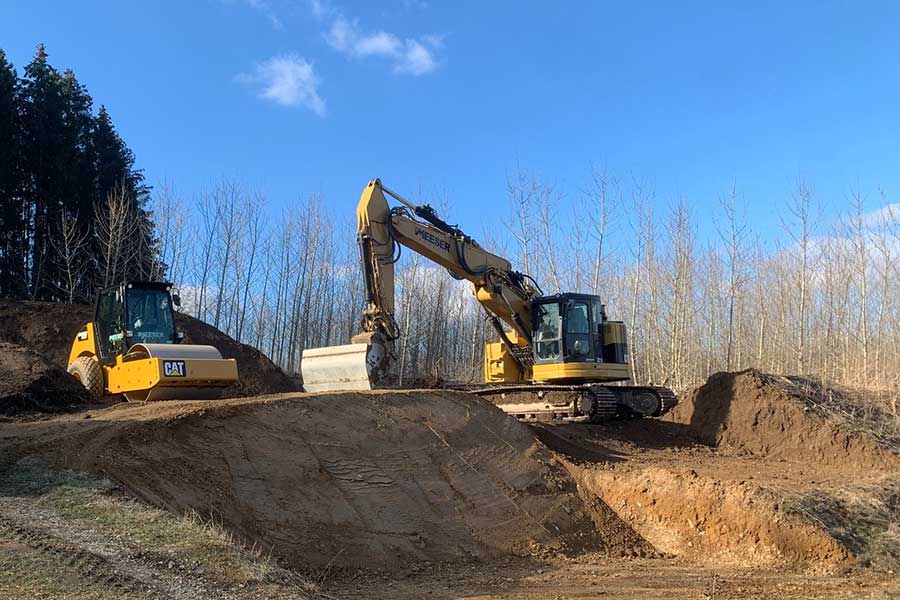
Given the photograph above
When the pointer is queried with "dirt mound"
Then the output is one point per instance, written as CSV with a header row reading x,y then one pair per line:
x,y
769,416
29,383
375,480
43,327
48,329
257,373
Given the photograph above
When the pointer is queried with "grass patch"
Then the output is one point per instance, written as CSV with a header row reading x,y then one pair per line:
x,y
865,519
191,544
27,572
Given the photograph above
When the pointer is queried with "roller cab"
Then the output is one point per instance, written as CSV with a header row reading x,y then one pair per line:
x,y
132,348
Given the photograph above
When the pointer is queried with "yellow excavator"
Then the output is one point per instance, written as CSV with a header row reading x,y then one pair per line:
x,y
556,354
132,348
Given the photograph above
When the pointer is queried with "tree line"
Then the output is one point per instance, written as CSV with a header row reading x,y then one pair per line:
x,y
822,299
73,207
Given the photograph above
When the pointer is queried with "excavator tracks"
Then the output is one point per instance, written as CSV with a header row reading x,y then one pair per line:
x,y
591,403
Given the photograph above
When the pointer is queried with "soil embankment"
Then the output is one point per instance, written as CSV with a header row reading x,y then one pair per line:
x,y
374,480
29,383
748,471
781,418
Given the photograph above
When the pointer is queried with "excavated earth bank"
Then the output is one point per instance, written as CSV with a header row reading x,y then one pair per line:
x,y
774,483
346,480
781,418
29,383
749,471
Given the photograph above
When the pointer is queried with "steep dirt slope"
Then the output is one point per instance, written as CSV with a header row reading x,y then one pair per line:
x,y
751,469
352,480
29,383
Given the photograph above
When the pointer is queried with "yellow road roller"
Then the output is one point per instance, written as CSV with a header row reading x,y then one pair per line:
x,y
132,348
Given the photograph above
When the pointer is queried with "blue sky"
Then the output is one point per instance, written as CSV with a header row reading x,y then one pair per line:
x,y
294,96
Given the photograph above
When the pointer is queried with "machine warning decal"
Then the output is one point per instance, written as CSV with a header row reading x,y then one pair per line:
x,y
174,368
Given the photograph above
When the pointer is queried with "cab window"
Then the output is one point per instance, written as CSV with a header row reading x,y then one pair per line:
x,y
547,337
150,317
578,330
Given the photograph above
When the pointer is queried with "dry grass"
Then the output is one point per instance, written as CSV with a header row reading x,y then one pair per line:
x,y
870,412
95,509
864,518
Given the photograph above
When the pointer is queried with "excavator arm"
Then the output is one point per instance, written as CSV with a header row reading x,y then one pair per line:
x,y
382,232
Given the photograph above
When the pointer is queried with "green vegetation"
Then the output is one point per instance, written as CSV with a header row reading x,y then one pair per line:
x,y
65,533
72,204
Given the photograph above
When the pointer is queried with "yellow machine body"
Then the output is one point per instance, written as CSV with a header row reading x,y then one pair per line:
x,y
501,368
555,353
152,371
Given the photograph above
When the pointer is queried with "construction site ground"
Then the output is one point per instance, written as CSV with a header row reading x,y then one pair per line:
x,y
756,486
652,514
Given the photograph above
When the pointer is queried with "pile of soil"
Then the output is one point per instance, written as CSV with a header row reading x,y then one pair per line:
x,y
258,375
770,416
345,481
29,383
49,328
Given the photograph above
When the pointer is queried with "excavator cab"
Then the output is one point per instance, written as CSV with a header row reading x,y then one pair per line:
x,y
574,328
573,341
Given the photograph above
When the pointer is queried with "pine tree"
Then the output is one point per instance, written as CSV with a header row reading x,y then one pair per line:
x,y
114,166
12,229
58,164
45,163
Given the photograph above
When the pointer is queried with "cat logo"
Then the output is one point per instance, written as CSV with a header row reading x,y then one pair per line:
x,y
174,368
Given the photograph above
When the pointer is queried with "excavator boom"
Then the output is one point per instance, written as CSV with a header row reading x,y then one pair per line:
x,y
381,231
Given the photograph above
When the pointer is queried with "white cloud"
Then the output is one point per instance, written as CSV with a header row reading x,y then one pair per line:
x,y
288,80
410,56
887,214
417,59
264,7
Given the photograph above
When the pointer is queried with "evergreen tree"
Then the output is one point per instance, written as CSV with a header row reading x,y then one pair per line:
x,y
114,166
44,160
12,228
58,164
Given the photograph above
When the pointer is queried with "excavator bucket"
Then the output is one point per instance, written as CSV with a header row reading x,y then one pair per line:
x,y
336,368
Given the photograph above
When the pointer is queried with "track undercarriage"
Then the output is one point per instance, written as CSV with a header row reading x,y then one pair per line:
x,y
586,403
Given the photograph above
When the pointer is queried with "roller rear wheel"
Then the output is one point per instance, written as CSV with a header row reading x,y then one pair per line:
x,y
90,374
